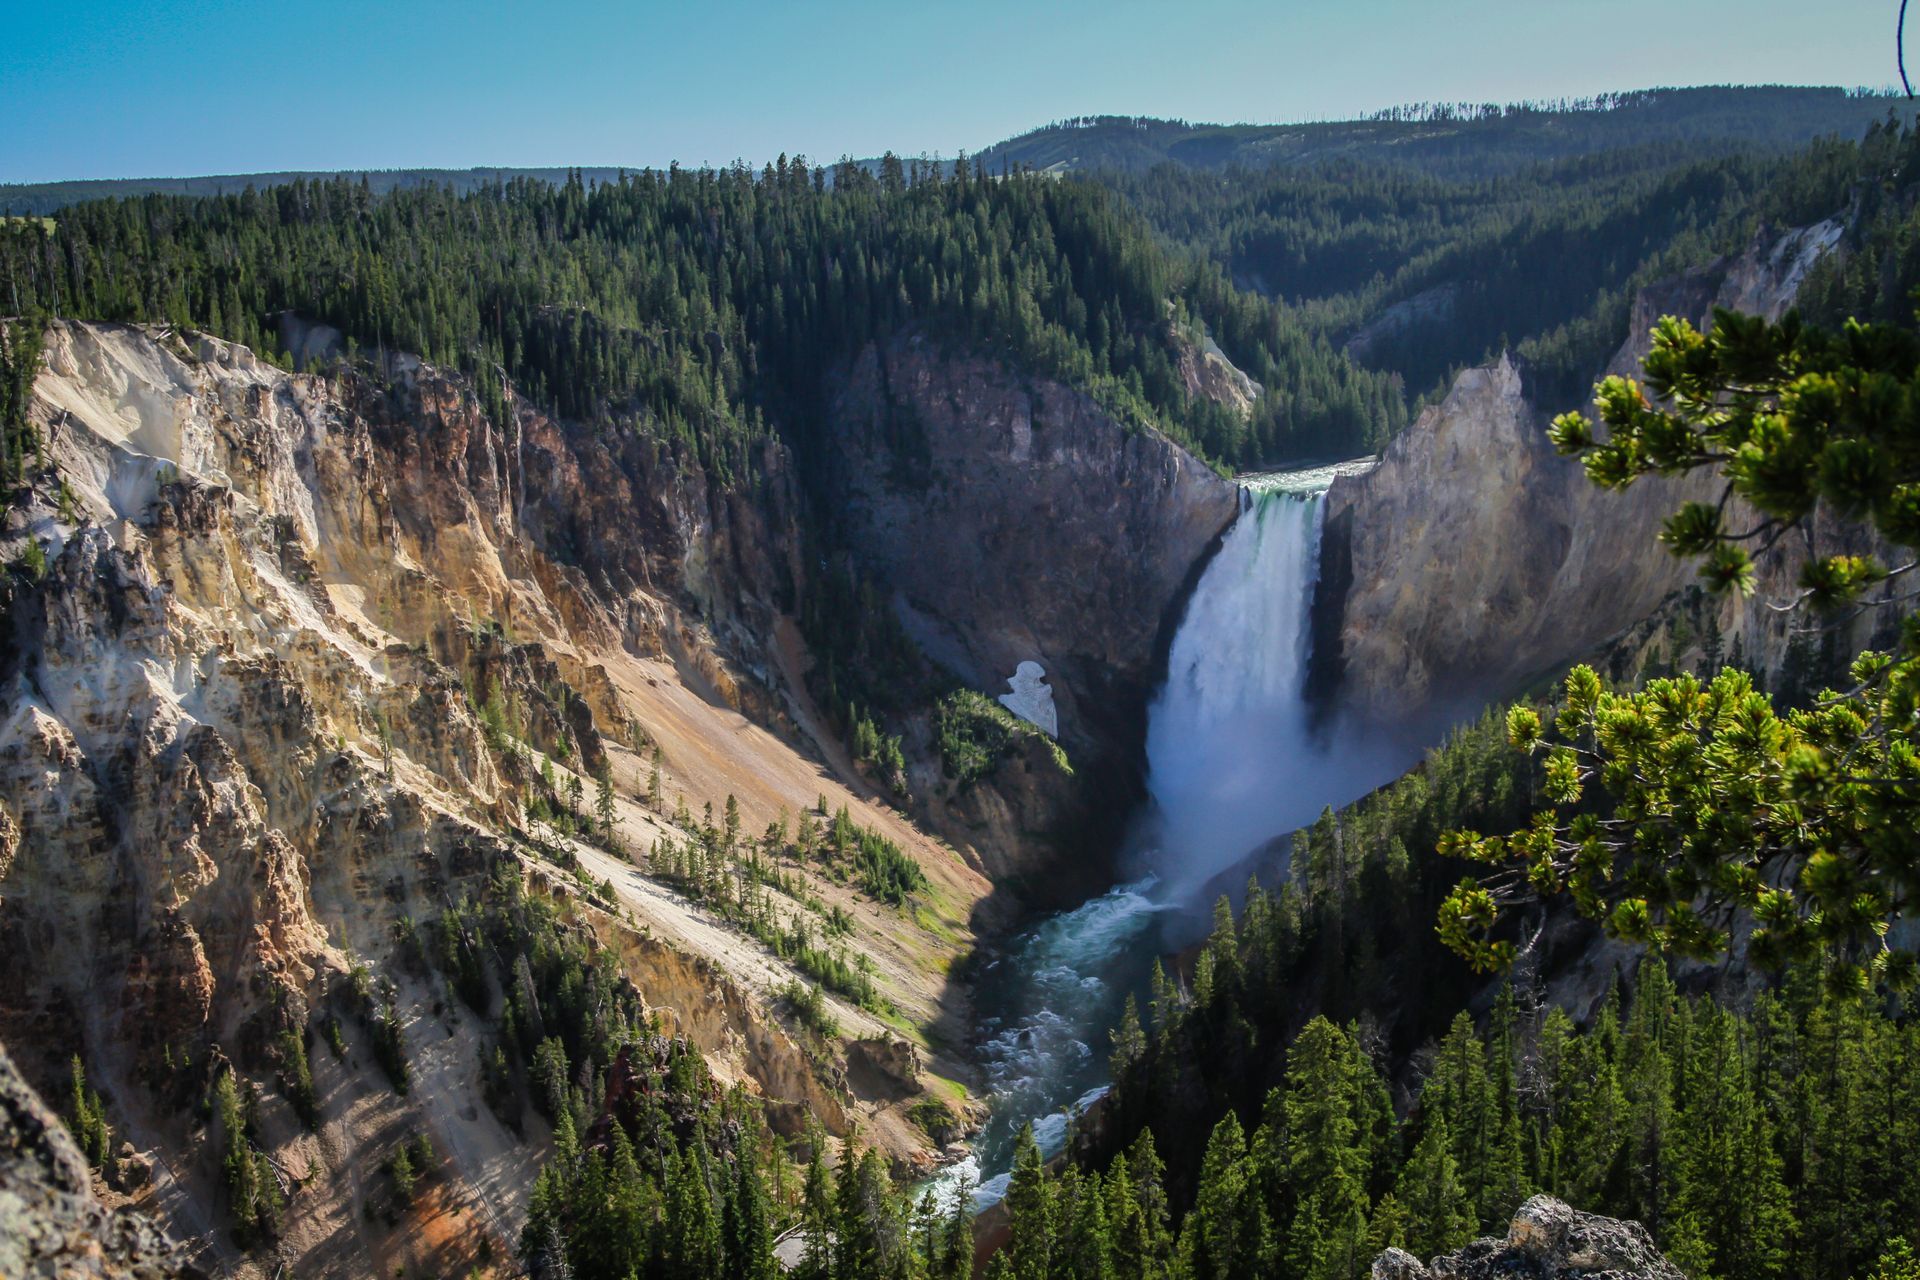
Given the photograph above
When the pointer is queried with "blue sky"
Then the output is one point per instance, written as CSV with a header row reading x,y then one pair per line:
x,y
132,88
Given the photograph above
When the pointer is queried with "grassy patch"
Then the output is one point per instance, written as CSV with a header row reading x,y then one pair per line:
x,y
976,732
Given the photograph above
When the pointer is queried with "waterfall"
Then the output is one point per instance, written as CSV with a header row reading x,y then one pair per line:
x,y
1230,754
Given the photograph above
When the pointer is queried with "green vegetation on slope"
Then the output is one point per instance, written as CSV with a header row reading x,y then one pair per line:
x,y
1769,1143
975,732
1431,266
706,307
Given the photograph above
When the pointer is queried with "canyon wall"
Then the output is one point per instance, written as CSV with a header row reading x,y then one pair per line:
x,y
250,732
52,1221
1474,559
1012,520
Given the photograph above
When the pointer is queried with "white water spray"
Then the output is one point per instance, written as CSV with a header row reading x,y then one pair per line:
x,y
1230,754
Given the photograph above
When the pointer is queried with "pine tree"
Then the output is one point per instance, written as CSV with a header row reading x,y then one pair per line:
x,y
253,1193
296,1076
603,801
1387,1226
692,1232
1225,1236
1327,1168
1143,1236
1164,998
400,1169
872,1236
1504,1186
87,1120
954,1258
1647,1075
1086,1247
1595,1130
1459,1091
1224,946
1030,1212
817,1217
1129,1041
747,1223
1439,1215
631,1211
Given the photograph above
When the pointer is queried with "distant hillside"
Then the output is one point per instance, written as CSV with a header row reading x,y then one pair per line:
x,y
1450,140
1457,140
1426,240
43,198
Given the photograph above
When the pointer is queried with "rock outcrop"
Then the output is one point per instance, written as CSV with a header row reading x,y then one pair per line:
x,y
52,1224
1474,558
1014,520
1206,372
1547,1240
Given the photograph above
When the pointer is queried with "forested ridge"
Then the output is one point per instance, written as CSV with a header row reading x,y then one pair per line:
x,y
1421,273
706,306
1444,138
709,307
1463,140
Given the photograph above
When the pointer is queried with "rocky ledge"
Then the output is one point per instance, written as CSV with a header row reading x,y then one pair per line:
x,y
51,1222
1547,1240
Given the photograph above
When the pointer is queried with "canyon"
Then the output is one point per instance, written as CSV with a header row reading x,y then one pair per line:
x,y
252,736
1474,561
318,655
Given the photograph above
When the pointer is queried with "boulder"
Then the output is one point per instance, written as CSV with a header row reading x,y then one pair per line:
x,y
1540,1226
133,1170
1548,1239
1398,1264
883,1067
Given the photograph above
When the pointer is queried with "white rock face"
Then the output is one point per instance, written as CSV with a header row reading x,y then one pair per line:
x,y
1032,698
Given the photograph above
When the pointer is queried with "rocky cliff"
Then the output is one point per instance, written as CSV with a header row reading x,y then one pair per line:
x,y
311,657
1014,520
1474,559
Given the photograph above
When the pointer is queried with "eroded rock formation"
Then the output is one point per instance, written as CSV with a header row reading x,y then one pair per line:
x,y
251,723
52,1224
